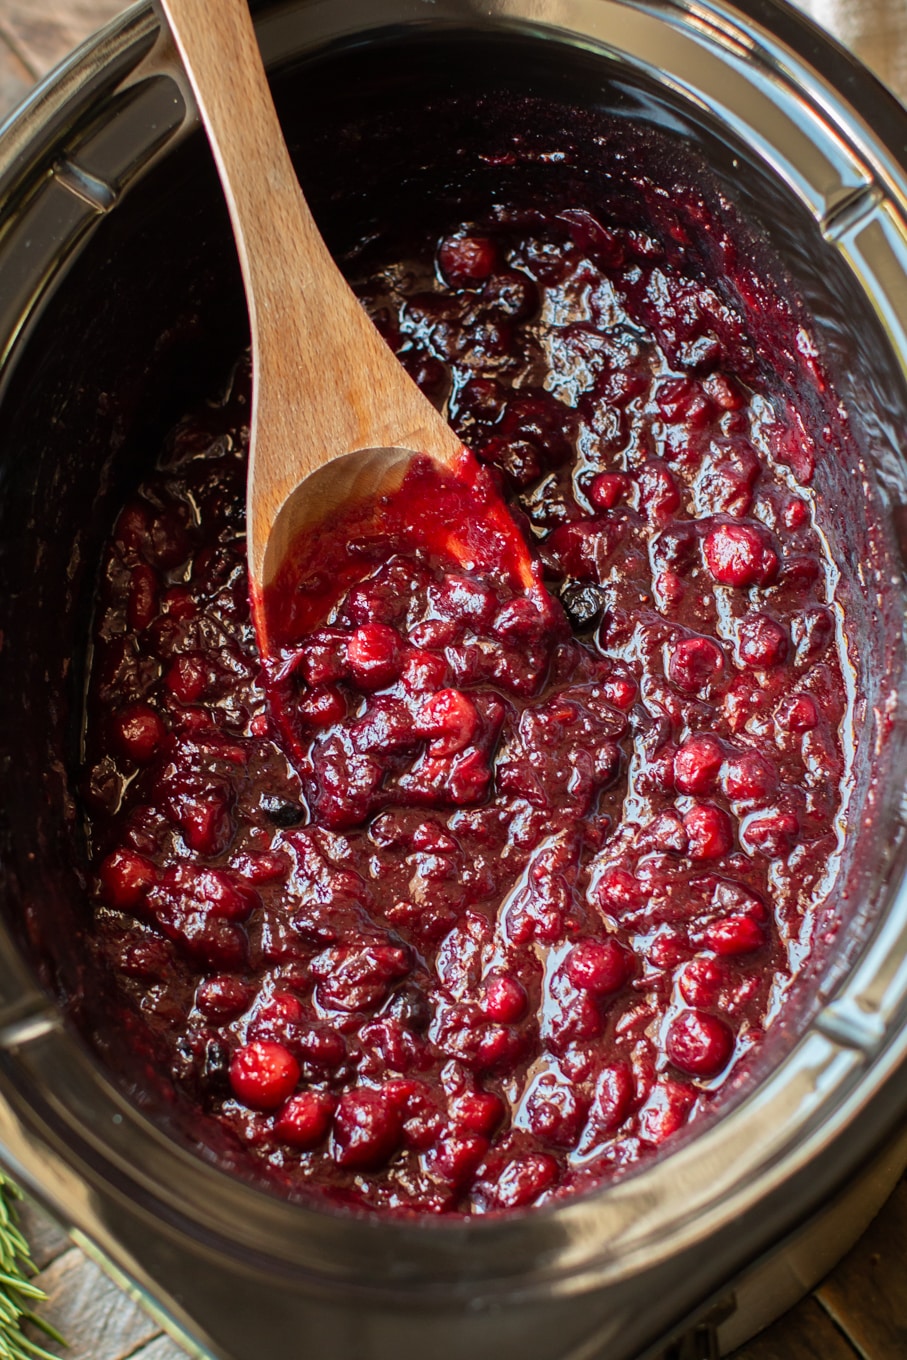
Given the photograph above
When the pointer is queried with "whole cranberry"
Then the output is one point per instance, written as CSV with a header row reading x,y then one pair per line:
x,y
466,259
700,982
761,641
799,713
734,935
373,653
709,831
263,1075
479,1111
599,966
699,1043
139,731
694,663
620,691
504,999
305,1120
740,555
367,1128
276,1017
126,878
795,513
697,764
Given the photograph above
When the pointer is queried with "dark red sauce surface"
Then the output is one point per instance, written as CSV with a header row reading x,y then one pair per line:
x,y
542,864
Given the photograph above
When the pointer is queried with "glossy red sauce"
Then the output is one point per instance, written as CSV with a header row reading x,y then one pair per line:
x,y
542,865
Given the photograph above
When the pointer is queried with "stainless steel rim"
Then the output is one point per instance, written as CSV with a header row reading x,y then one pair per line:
x,y
78,1148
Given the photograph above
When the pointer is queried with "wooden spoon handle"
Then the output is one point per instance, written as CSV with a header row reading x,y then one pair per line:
x,y
325,383
275,232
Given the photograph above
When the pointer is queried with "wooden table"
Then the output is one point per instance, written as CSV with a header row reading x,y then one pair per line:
x,y
860,1311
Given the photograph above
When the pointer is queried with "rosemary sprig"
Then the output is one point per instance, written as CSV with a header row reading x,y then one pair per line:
x,y
17,1293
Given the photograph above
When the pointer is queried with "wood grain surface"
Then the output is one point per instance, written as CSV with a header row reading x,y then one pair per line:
x,y
860,1311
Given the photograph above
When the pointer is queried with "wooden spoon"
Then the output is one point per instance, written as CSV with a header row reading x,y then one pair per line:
x,y
335,418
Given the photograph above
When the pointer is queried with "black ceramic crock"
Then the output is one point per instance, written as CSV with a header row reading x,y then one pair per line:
x,y
120,305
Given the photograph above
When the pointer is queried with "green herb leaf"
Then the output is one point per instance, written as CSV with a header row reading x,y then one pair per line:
x,y
17,1293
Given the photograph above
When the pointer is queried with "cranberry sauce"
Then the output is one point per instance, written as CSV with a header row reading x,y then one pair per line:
x,y
545,864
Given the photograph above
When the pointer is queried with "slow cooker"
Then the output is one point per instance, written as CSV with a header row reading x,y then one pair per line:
x,y
119,302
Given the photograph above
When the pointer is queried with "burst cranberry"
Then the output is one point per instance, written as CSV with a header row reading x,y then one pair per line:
x,y
139,731
125,878
322,706
709,831
367,1128
457,1157
263,1075
512,293
699,1043
697,764
555,1112
750,776
277,1017
598,966
520,620
479,1111
740,555
523,1180
619,890
142,606
423,671
305,1120
695,663
188,678
608,489
449,720
178,603
666,1110
613,1099
373,653
682,400
700,982
211,891
222,998
772,833
659,493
